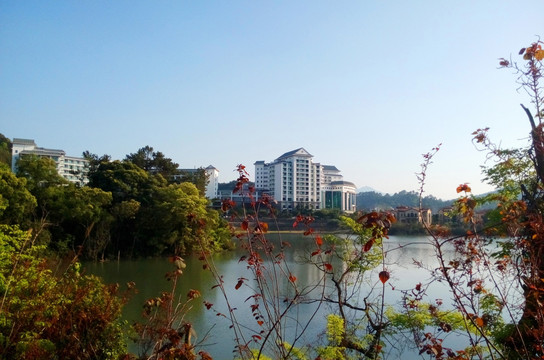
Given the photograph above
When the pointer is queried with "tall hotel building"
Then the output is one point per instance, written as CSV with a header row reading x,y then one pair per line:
x,y
295,181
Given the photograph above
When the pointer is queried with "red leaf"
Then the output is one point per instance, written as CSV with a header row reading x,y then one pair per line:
x,y
368,245
242,258
292,278
317,252
239,283
384,276
318,240
208,305
244,225
464,187
328,267
260,322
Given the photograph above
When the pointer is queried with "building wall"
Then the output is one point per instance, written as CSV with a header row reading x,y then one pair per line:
x,y
213,182
406,214
73,169
18,146
340,195
294,181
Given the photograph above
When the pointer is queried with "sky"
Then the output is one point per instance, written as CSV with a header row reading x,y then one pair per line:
x,y
368,86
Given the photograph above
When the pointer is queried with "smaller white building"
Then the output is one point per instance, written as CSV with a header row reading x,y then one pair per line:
x,y
212,179
213,182
73,169
339,195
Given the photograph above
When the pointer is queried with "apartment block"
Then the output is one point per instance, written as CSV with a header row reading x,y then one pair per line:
x,y
295,181
73,169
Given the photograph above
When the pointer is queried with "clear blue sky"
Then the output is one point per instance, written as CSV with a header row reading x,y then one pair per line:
x,y
367,86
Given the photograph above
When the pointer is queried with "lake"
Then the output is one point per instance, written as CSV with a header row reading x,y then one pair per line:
x,y
213,331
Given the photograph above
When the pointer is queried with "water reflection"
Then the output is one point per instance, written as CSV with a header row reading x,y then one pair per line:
x,y
148,274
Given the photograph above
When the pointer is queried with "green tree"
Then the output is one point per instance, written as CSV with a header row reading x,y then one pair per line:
x,y
151,217
132,190
16,202
153,161
95,160
67,216
125,181
39,172
178,221
199,178
5,150
83,214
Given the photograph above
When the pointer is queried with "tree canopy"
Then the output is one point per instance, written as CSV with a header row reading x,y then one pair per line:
x,y
5,150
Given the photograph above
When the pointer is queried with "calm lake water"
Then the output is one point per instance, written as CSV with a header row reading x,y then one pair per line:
x,y
213,331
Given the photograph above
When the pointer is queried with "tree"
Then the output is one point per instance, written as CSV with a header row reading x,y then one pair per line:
x,y
83,213
67,216
153,161
178,221
199,178
132,190
151,217
526,216
16,202
125,181
39,172
5,150
95,160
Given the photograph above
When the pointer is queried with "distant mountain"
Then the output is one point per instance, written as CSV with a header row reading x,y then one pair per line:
x,y
366,189
372,200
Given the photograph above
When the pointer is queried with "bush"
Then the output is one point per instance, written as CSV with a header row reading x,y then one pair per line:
x,y
49,316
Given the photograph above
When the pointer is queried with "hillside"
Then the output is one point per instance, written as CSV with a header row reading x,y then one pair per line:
x,y
373,200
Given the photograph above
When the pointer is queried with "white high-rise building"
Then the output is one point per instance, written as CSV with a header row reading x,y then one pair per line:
x,y
295,181
73,169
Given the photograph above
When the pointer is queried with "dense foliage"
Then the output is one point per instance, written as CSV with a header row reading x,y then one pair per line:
x,y
52,314
372,200
5,150
125,210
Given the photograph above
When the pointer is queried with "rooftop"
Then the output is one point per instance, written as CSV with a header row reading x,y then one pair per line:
x,y
299,151
330,168
342,182
23,141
